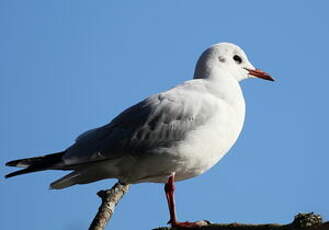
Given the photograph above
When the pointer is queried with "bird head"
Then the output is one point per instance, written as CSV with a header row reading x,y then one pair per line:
x,y
227,59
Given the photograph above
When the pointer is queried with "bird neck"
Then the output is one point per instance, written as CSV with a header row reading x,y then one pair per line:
x,y
223,85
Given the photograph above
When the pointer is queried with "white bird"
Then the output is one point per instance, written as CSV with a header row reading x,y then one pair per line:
x,y
170,136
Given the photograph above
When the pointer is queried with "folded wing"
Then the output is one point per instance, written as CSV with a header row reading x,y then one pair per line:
x,y
156,123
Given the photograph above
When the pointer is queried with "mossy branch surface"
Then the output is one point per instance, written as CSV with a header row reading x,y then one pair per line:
x,y
303,221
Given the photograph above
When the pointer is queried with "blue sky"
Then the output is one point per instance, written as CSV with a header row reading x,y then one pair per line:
x,y
68,66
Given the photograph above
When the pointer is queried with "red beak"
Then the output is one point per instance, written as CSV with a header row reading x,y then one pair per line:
x,y
260,74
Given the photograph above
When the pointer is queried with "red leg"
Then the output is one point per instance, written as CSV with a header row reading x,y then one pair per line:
x,y
169,190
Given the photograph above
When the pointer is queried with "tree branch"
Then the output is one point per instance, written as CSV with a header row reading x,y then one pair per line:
x,y
110,199
304,221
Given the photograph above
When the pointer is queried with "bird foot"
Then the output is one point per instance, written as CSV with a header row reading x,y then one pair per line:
x,y
189,224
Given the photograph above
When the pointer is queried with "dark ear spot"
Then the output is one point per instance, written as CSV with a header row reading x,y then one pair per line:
x,y
221,59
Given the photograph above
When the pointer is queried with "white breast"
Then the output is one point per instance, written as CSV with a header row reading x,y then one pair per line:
x,y
204,147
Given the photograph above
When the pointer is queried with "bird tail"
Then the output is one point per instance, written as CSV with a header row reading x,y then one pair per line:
x,y
85,175
66,181
35,164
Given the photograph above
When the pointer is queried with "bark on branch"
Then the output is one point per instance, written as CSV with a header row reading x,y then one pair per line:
x,y
306,221
110,199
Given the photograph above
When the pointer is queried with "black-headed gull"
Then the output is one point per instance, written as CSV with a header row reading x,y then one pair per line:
x,y
170,136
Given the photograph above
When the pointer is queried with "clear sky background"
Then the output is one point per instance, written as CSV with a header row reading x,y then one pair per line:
x,y
68,66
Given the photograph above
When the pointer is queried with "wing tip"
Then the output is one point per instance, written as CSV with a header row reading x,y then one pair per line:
x,y
11,163
16,173
17,163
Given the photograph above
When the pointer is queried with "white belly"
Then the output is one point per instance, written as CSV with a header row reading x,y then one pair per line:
x,y
201,149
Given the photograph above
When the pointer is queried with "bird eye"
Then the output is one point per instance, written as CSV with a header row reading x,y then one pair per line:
x,y
237,59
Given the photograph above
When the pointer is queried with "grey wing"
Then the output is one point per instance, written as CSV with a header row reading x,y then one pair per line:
x,y
158,122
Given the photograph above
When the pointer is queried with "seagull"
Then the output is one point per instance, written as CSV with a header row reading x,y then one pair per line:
x,y
170,136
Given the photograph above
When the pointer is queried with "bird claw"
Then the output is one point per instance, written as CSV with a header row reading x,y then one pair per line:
x,y
189,224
